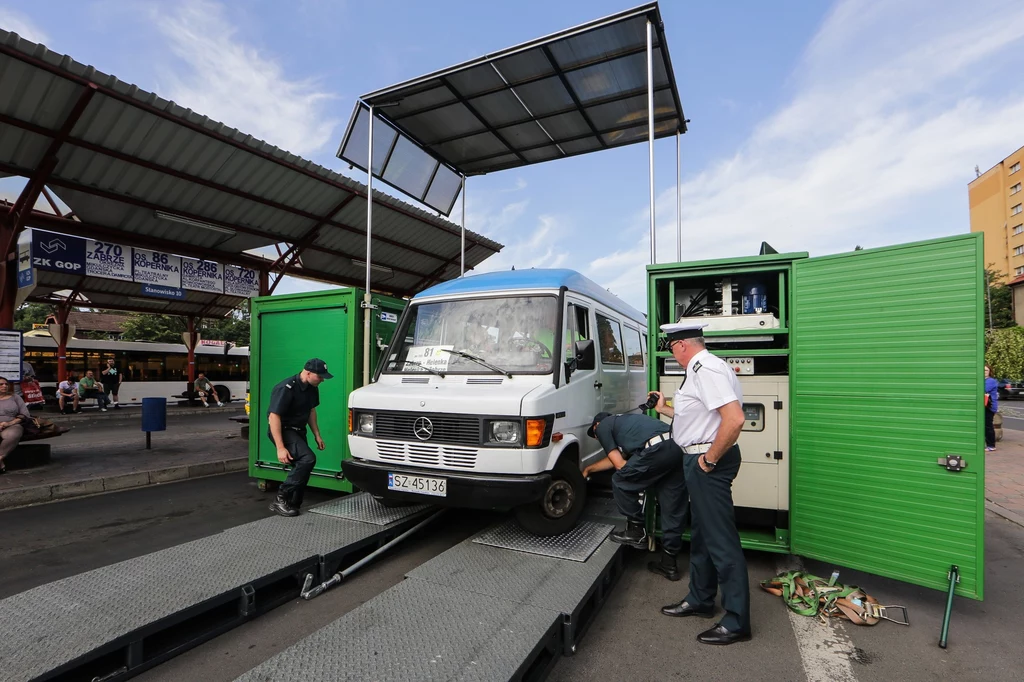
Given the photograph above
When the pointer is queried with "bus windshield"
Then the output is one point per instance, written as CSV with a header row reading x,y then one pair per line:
x,y
514,334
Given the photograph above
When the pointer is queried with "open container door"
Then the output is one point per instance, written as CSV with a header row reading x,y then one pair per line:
x,y
887,377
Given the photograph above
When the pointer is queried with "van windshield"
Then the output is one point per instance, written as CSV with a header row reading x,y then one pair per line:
x,y
513,333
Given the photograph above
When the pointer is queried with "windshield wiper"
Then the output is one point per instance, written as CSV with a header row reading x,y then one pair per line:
x,y
479,361
413,362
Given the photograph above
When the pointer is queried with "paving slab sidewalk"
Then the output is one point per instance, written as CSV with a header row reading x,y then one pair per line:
x,y
1004,472
107,452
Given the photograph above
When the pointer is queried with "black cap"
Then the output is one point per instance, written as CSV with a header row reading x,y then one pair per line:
x,y
318,366
597,417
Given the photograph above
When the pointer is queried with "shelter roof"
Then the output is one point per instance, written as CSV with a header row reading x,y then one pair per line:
x,y
124,159
97,322
576,91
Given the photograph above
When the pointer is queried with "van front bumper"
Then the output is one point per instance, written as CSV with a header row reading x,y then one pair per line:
x,y
464,489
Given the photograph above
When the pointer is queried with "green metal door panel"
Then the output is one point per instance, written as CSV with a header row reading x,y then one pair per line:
x,y
287,338
886,374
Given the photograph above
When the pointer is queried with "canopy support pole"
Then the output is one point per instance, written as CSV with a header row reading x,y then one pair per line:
x,y
366,304
650,129
462,262
679,205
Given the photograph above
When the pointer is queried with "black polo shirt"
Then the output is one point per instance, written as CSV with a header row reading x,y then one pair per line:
x,y
628,432
293,400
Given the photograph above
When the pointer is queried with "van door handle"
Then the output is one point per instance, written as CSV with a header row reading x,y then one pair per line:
x,y
598,384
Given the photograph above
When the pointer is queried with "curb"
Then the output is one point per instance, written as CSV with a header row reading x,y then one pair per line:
x,y
1013,517
39,494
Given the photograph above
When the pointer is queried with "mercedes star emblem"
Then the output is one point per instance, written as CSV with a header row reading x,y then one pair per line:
x,y
423,428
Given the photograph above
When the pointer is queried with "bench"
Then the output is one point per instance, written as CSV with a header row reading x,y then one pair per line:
x,y
28,455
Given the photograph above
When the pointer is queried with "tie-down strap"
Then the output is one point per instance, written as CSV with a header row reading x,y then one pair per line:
x,y
809,595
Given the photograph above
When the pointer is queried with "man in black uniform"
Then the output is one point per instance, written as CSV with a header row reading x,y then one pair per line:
x,y
292,406
645,458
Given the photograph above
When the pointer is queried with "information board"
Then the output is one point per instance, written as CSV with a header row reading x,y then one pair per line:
x,y
156,267
58,252
10,354
202,275
107,260
240,281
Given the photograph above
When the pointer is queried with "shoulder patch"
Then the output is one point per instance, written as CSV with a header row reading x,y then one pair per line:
x,y
289,385
696,366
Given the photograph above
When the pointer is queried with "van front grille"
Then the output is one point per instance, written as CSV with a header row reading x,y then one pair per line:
x,y
445,428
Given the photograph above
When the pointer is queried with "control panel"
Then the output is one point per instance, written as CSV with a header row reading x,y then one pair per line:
x,y
742,366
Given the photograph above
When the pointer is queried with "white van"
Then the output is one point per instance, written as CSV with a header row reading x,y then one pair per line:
x,y
484,398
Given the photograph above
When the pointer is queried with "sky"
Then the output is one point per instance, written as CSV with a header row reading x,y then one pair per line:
x,y
815,126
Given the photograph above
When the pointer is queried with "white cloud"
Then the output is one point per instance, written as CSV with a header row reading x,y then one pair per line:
x,y
895,103
232,81
16,22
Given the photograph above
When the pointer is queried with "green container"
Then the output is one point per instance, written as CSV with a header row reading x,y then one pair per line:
x,y
884,350
286,332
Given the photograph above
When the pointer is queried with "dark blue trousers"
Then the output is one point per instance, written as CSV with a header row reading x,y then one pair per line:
x,y
658,468
716,557
303,461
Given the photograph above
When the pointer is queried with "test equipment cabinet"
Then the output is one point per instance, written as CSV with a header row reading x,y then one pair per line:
x,y
862,375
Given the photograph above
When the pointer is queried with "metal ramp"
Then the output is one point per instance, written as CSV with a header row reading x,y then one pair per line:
x,y
124,618
474,612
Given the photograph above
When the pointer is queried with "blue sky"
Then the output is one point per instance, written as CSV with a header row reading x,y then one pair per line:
x,y
815,126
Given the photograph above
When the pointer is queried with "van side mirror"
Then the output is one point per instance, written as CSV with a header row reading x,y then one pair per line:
x,y
585,358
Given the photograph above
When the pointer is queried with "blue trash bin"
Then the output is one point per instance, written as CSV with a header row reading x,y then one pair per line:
x,y
154,416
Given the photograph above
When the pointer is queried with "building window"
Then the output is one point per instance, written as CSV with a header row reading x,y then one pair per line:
x,y
1019,251
1017,209
1015,189
1014,168
1019,271
1018,229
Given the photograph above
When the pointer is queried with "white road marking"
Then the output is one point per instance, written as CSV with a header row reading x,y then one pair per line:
x,y
825,650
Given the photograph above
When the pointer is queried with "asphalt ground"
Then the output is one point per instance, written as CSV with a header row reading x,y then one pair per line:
x,y
628,640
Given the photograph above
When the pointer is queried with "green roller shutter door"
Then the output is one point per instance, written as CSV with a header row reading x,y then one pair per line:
x,y
887,376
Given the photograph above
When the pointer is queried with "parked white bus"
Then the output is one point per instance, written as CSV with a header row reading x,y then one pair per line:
x,y
149,369
487,390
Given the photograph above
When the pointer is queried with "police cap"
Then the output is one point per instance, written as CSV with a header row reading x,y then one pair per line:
x,y
597,417
688,329
318,366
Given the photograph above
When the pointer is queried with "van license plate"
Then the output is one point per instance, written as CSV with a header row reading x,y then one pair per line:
x,y
424,485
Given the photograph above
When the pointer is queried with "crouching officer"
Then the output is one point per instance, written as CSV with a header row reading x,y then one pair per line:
x,y
707,416
645,458
293,405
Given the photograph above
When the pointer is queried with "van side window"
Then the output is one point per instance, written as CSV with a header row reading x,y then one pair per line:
x,y
633,348
610,339
577,327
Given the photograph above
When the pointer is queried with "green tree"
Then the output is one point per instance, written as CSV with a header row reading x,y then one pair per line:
x,y
233,328
999,298
156,328
1004,353
31,313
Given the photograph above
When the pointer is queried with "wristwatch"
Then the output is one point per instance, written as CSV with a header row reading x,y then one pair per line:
x,y
708,463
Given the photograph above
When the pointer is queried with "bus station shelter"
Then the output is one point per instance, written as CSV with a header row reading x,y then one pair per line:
x,y
170,188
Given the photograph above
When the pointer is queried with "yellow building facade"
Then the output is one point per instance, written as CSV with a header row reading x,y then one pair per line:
x,y
996,200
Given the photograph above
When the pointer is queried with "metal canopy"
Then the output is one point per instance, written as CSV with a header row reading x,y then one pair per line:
x,y
117,155
572,92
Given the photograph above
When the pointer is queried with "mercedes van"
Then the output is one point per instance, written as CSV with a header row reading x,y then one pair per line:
x,y
484,397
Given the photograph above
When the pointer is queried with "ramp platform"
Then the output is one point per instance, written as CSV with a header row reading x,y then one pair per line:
x,y
124,618
475,612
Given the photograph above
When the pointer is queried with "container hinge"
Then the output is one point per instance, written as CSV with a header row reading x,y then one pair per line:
x,y
778,454
952,462
364,304
778,404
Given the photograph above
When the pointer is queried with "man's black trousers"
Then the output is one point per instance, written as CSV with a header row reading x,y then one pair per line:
x,y
303,459
658,468
716,556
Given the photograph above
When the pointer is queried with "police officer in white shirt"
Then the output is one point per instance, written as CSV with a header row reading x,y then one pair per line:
x,y
707,416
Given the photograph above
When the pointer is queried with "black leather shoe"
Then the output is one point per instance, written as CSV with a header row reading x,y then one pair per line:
x,y
281,507
666,567
719,635
684,609
634,535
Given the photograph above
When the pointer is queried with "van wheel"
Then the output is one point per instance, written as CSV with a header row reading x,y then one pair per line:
x,y
562,505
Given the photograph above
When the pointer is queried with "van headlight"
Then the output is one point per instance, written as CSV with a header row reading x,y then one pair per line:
x,y
506,432
366,423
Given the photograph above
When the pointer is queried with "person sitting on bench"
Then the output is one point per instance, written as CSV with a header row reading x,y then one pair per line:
x,y
205,388
88,388
68,390
12,413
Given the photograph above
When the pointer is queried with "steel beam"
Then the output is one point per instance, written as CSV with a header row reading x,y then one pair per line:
x,y
203,130
483,121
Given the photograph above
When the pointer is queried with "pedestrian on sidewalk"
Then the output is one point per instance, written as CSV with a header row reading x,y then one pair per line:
x,y
991,407
204,388
12,412
293,405
111,378
88,388
67,390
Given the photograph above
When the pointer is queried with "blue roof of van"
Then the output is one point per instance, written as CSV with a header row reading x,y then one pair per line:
x,y
513,280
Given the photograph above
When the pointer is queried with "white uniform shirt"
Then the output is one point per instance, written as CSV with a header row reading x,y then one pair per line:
x,y
710,383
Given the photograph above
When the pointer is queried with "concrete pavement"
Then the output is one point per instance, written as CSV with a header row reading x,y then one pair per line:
x,y
1004,470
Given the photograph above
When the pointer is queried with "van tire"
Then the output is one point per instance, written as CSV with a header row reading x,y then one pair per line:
x,y
567,494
